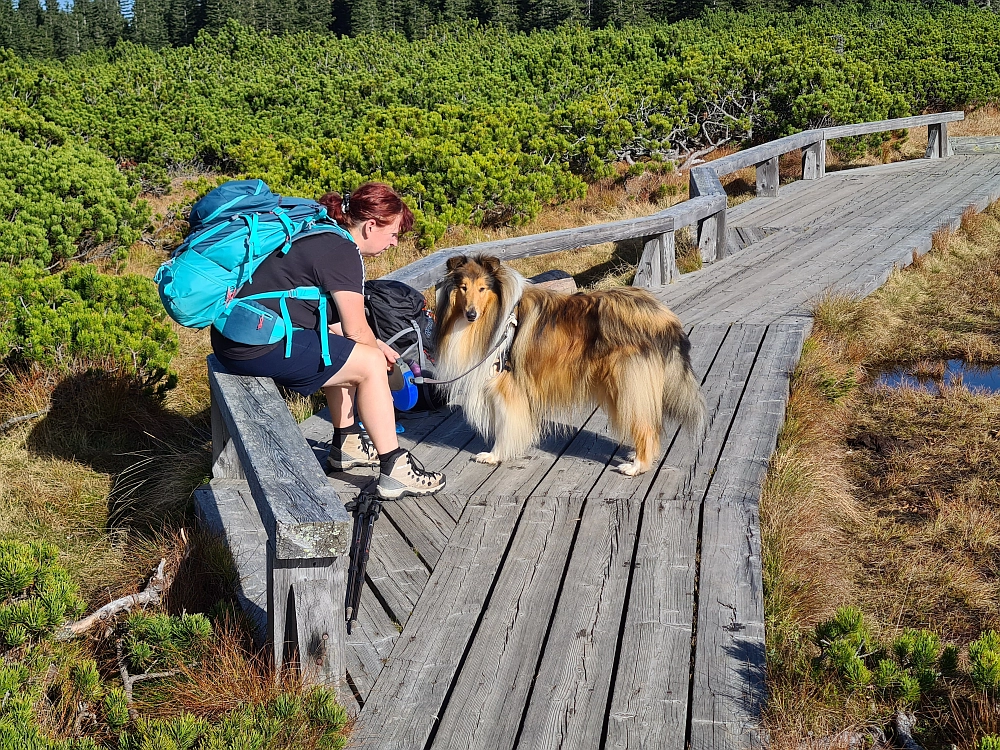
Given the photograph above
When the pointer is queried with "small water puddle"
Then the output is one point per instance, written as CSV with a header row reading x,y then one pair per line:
x,y
950,372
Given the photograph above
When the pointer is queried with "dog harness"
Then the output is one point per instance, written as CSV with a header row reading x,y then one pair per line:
x,y
502,361
500,354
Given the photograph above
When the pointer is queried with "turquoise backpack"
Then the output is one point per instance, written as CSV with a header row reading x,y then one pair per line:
x,y
234,228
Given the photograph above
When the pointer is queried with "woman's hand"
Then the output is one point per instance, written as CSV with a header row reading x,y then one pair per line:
x,y
388,352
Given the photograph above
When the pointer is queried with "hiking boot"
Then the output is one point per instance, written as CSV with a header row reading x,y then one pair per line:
x,y
409,477
357,450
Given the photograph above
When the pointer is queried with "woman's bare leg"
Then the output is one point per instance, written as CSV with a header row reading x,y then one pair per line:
x,y
341,402
365,371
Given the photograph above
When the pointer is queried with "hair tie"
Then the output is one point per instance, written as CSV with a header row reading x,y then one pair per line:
x,y
345,203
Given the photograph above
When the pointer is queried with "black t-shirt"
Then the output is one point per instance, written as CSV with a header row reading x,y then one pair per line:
x,y
325,260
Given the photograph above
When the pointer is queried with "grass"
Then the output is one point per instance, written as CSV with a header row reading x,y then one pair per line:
x,y
888,499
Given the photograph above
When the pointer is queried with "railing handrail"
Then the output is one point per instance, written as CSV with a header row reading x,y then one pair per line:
x,y
707,200
761,153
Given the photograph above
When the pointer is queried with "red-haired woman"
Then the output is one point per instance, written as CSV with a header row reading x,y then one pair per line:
x,y
375,216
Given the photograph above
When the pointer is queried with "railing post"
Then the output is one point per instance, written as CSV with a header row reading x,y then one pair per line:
x,y
711,230
658,264
937,141
814,160
767,178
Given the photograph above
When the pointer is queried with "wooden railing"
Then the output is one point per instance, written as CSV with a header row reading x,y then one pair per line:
x,y
706,206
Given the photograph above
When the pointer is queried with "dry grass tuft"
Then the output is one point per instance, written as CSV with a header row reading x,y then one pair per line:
x,y
230,677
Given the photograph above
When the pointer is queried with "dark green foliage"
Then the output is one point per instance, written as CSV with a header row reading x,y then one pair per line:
x,y
285,722
984,656
115,707
479,125
36,594
80,317
155,642
59,199
904,672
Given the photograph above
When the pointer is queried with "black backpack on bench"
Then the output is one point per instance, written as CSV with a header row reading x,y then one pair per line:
x,y
398,315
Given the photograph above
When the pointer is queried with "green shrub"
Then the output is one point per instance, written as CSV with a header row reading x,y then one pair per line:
x,y
60,199
116,709
86,679
155,642
988,742
81,317
984,656
848,649
36,593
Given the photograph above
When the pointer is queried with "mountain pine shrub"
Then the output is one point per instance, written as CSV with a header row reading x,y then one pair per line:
x,y
79,318
36,593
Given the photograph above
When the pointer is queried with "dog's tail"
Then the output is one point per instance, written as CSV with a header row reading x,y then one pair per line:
x,y
682,396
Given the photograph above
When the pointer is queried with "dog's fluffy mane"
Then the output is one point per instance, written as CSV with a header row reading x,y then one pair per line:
x,y
462,349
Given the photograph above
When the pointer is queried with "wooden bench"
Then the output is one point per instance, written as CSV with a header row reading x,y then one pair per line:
x,y
286,526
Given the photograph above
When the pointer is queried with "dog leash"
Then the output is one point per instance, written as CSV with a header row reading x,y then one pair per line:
x,y
504,343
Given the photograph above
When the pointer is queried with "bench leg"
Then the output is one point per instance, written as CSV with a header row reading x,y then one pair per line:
x,y
305,612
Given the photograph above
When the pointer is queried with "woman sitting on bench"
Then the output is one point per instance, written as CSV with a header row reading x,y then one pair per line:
x,y
357,377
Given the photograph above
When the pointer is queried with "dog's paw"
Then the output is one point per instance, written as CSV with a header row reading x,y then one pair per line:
x,y
630,468
486,458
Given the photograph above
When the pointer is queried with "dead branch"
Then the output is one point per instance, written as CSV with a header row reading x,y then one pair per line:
x,y
129,680
152,594
694,156
82,712
23,418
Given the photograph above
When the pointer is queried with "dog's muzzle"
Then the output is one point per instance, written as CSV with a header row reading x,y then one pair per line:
x,y
471,315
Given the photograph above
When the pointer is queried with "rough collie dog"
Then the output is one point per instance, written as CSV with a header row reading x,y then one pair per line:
x,y
620,349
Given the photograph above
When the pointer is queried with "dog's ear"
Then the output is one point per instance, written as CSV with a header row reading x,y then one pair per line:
x,y
490,263
456,261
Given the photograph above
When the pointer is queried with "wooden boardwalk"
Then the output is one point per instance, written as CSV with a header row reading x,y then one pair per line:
x,y
554,603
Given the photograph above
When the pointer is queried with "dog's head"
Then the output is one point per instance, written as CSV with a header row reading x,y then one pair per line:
x,y
473,283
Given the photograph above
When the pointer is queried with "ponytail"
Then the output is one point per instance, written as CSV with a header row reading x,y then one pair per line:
x,y
373,200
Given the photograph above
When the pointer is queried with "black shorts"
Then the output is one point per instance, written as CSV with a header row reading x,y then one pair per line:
x,y
303,372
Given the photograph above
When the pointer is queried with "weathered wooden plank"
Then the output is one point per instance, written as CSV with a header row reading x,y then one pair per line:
x,y
321,658
282,576
767,178
395,570
429,269
301,512
728,681
227,509
401,709
764,152
489,694
650,697
703,181
423,523
814,160
569,698
899,123
658,264
367,645
975,145
697,208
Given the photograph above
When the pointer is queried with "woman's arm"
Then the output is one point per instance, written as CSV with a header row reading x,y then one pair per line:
x,y
354,323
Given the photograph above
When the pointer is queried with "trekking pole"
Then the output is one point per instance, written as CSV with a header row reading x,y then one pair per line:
x,y
366,510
